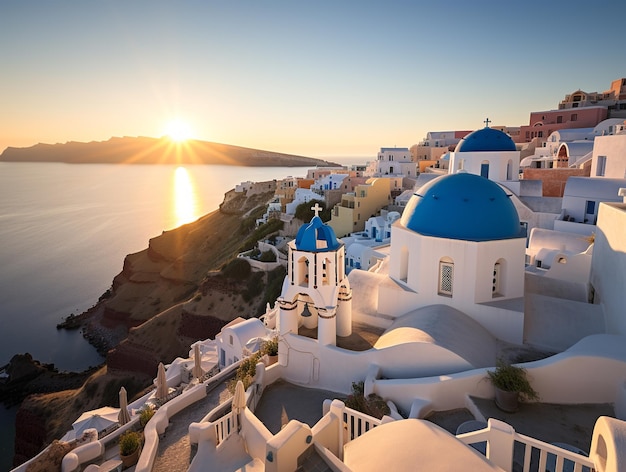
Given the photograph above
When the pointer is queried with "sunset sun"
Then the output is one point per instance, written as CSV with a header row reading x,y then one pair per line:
x,y
178,130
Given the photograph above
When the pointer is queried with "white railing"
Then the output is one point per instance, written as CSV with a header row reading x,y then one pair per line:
x,y
536,455
357,424
224,427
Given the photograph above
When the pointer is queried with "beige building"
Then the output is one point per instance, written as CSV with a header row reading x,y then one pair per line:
x,y
355,208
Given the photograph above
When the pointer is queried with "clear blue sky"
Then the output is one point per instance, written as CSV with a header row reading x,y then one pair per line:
x,y
319,78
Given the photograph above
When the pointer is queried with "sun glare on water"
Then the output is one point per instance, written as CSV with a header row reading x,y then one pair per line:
x,y
185,198
178,130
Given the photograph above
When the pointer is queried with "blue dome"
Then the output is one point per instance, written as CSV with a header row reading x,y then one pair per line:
x,y
316,237
462,206
486,139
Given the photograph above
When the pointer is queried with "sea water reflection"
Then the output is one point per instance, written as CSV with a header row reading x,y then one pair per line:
x,y
184,197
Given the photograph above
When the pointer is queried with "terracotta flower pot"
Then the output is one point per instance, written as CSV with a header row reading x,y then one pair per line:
x,y
130,459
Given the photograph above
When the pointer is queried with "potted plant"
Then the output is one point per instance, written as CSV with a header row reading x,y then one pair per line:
x,y
130,446
270,348
510,383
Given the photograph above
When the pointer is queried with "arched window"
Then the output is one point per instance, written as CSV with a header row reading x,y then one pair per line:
x,y
326,267
303,272
446,276
497,285
509,170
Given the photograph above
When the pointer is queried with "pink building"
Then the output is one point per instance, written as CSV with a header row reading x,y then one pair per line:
x,y
542,123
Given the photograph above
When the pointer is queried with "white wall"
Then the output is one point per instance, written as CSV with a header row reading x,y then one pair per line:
x,y
335,369
592,371
498,161
472,279
608,267
614,149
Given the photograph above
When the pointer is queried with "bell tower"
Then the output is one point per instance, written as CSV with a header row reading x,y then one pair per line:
x,y
316,292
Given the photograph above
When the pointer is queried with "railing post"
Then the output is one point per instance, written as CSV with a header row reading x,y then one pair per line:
x,y
337,408
500,443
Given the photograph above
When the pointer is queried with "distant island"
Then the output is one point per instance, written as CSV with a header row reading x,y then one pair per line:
x,y
145,150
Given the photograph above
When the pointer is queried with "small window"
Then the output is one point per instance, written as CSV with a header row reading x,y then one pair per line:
x,y
559,119
601,166
231,339
484,169
574,117
591,207
446,274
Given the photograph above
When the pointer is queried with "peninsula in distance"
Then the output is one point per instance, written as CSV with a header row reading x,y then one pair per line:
x,y
145,150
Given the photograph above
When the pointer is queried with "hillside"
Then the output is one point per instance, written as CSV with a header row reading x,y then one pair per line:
x,y
143,150
166,297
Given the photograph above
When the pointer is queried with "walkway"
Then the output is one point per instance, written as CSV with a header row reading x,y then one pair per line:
x,y
282,401
174,453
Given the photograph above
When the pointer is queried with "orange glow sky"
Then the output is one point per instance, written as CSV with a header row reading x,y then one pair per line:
x,y
310,78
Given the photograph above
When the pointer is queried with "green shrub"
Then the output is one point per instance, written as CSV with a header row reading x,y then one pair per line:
x,y
129,442
304,213
273,287
254,287
237,268
144,416
372,405
267,256
261,232
510,378
270,347
245,372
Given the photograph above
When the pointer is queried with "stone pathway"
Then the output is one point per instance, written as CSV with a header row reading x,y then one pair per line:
x,y
174,453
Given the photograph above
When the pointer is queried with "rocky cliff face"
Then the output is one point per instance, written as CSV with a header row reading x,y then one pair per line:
x,y
166,297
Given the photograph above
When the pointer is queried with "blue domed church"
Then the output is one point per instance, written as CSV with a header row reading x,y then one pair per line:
x,y
459,243
490,153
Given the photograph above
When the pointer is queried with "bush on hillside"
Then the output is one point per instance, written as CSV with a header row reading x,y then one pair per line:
x,y
237,268
273,287
272,226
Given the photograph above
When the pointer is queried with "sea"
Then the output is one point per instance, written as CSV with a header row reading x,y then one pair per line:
x,y
64,232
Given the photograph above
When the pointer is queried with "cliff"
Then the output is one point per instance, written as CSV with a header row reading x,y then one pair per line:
x,y
144,150
166,297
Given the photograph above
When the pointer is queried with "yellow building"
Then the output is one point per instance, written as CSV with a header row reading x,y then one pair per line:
x,y
356,208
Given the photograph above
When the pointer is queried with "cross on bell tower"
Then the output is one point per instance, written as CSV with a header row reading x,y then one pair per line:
x,y
316,208
487,121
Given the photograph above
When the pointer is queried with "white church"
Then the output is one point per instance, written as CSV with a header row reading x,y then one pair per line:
x,y
451,288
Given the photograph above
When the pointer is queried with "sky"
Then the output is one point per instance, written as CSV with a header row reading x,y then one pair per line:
x,y
314,78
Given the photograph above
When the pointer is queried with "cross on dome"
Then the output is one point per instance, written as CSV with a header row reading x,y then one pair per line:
x,y
487,121
317,208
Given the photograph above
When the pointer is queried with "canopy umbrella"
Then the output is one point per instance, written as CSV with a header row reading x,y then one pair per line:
x,y
197,362
161,383
99,419
239,403
123,416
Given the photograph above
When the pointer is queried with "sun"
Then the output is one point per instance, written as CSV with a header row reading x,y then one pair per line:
x,y
178,130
